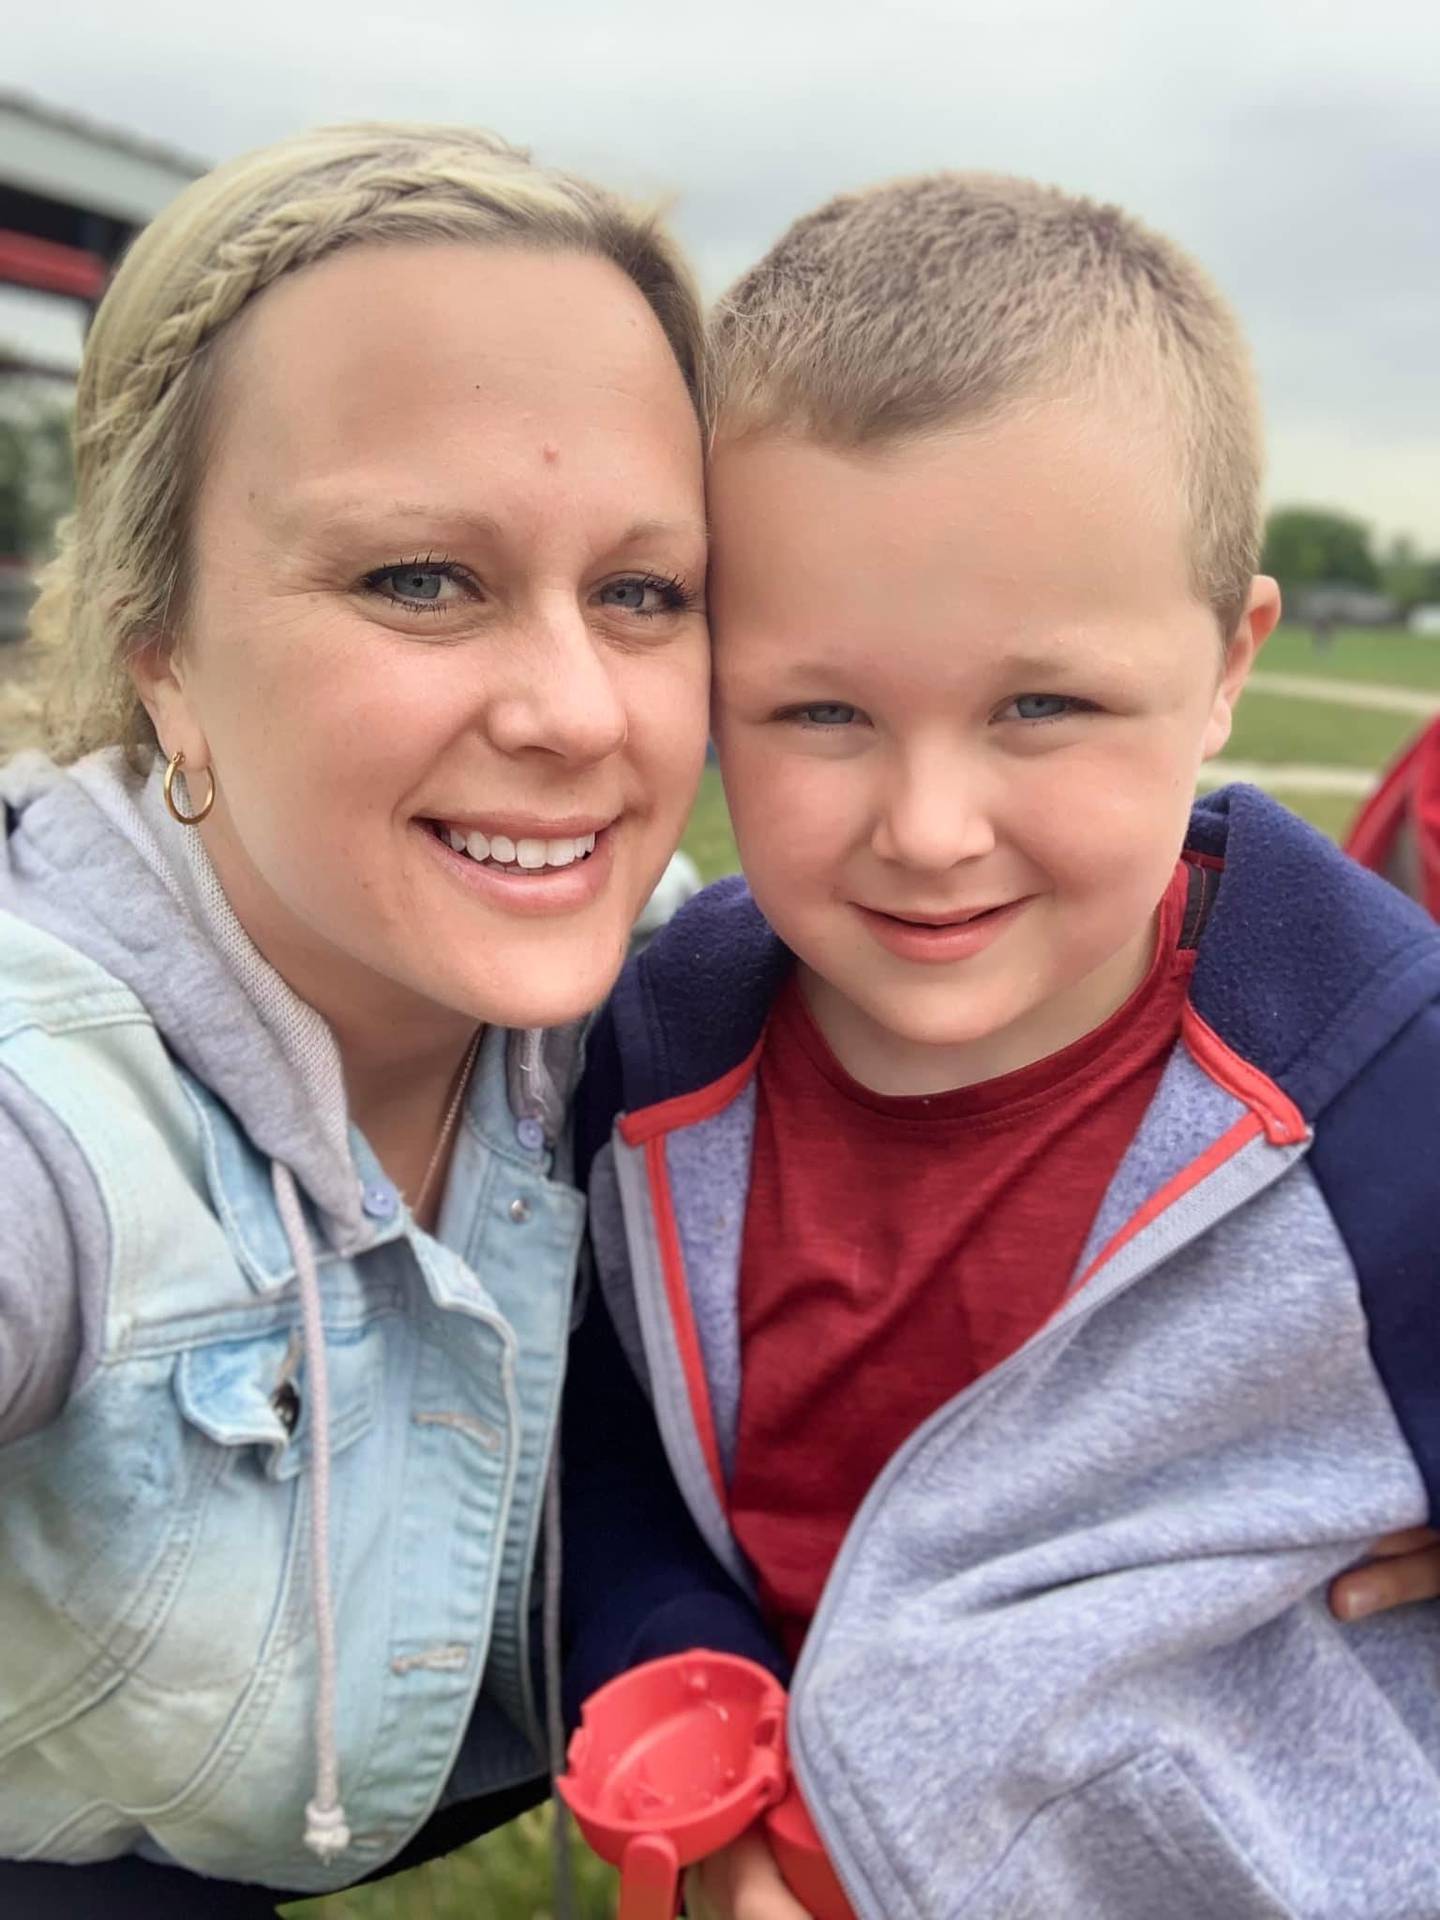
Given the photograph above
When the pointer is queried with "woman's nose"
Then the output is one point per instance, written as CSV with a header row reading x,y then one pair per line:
x,y
560,694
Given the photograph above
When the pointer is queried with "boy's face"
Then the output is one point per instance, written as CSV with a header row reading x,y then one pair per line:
x,y
962,691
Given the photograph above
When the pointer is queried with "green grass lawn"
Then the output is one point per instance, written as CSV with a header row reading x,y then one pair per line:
x,y
1383,654
1274,728
507,1876
708,838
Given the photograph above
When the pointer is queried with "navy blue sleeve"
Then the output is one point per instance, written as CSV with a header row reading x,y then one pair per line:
x,y
1376,1157
638,1580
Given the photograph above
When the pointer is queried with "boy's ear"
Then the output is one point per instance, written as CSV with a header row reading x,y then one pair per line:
x,y
1252,630
159,677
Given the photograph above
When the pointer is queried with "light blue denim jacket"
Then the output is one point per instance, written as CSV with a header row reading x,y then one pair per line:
x,y
159,1643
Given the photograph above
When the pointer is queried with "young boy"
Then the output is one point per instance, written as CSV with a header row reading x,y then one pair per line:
x,y
1024,1206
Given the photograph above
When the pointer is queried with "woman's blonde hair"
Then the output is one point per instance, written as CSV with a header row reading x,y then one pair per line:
x,y
118,579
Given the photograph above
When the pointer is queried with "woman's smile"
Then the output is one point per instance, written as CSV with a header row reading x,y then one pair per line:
x,y
525,875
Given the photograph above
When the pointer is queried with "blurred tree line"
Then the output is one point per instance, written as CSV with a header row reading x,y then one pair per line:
x,y
1311,547
37,472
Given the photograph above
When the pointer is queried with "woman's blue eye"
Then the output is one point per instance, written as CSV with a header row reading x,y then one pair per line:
x,y
828,713
1042,706
417,584
645,594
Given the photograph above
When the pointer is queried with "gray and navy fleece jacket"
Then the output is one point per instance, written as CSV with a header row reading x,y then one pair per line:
x,y
1074,1659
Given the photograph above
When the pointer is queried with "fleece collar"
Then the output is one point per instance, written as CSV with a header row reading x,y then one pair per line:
x,y
1307,968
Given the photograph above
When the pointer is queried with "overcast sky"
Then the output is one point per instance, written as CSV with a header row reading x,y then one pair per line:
x,y
1293,144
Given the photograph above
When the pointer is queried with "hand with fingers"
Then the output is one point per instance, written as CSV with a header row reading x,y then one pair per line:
x,y
740,1882
1403,1567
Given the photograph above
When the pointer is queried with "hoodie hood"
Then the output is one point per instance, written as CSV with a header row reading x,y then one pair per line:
x,y
90,855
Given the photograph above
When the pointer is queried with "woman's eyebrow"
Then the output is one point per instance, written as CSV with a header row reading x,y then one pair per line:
x,y
654,529
312,512
300,514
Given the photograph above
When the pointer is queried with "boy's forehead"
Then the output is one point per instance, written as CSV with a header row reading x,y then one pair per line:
x,y
1067,500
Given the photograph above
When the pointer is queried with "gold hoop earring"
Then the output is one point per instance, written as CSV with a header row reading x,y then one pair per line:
x,y
173,766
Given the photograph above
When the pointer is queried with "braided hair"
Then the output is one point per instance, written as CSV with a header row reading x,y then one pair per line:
x,y
142,413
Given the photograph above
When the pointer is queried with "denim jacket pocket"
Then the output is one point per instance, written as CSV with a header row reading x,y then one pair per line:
x,y
1133,1843
253,1393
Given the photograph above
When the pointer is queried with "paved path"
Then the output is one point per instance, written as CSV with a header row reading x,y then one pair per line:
x,y
1347,693
1289,777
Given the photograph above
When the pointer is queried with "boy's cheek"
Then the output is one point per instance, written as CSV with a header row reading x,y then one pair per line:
x,y
788,810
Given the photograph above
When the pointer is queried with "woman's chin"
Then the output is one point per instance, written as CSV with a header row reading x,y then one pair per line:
x,y
545,990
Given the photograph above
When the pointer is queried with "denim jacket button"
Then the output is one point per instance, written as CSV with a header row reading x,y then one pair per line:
x,y
286,1402
380,1201
519,1210
530,1133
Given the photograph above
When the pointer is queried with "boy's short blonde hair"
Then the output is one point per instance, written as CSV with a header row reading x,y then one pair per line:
x,y
933,303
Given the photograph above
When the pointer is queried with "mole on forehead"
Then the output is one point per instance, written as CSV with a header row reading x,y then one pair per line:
x,y
550,452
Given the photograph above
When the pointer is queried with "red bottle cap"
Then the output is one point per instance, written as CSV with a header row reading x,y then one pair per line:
x,y
671,1762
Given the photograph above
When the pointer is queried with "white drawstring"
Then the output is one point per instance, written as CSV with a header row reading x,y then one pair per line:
x,y
326,1831
563,1857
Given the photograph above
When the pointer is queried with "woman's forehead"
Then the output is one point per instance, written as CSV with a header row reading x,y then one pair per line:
x,y
422,378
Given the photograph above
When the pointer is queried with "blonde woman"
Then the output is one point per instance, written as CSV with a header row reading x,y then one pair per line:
x,y
377,677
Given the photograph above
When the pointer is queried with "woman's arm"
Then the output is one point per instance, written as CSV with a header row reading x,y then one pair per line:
x,y
638,1579
45,1324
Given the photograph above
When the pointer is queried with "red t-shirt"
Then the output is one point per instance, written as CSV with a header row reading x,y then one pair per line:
x,y
896,1248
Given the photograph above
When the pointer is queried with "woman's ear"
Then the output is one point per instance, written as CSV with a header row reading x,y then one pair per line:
x,y
158,672
1252,630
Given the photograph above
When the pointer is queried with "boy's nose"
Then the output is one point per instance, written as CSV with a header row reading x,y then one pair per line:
x,y
931,819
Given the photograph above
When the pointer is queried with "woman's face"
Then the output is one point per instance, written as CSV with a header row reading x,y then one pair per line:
x,y
448,568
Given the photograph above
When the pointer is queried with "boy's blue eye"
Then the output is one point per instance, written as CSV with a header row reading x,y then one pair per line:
x,y
827,713
1043,706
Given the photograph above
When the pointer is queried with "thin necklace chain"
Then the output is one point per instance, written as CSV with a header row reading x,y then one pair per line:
x,y
447,1125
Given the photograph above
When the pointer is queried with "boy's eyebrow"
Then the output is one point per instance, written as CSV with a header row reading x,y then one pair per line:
x,y
1031,665
1038,665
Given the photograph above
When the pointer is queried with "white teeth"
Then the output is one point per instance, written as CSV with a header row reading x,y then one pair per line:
x,y
530,854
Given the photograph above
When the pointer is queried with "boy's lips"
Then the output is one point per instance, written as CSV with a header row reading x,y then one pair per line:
x,y
936,937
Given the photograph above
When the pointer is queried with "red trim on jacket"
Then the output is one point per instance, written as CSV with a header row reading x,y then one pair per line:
x,y
1282,1120
682,1320
1215,1155
685,1109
